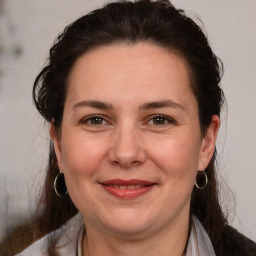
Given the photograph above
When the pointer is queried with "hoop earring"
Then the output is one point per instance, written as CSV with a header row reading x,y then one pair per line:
x,y
206,181
59,185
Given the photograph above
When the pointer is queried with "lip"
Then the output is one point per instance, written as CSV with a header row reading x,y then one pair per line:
x,y
127,189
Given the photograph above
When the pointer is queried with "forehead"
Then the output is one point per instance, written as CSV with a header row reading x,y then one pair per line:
x,y
138,70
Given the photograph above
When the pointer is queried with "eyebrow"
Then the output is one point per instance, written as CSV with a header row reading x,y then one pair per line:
x,y
145,106
94,104
161,104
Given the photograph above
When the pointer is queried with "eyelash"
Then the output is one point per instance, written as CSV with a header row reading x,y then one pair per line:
x,y
167,120
94,117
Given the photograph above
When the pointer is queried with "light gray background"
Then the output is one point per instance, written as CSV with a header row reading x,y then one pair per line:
x,y
28,28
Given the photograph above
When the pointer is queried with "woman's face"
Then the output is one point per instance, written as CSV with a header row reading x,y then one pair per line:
x,y
130,144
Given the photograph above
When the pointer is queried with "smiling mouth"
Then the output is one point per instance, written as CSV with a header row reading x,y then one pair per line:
x,y
127,189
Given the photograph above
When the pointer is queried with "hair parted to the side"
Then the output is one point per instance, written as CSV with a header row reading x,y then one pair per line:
x,y
155,22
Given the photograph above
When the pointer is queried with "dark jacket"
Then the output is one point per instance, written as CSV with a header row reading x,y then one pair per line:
x,y
233,243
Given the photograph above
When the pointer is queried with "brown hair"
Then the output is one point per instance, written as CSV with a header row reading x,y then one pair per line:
x,y
157,22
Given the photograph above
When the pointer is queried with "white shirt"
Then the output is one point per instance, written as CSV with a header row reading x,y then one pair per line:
x,y
70,243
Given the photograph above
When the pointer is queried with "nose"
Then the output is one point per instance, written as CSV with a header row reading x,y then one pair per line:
x,y
127,148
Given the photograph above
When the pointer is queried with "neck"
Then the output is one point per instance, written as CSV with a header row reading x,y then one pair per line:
x,y
171,240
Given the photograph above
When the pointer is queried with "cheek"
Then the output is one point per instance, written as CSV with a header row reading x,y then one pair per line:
x,y
81,158
81,155
176,152
177,157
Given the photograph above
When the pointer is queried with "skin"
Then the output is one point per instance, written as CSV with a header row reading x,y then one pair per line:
x,y
127,140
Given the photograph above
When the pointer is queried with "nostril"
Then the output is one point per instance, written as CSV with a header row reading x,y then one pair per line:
x,y
126,153
126,164
115,162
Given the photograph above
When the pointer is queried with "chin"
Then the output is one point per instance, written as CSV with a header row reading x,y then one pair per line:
x,y
130,223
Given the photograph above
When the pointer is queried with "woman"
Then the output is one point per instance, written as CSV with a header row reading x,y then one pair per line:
x,y
132,95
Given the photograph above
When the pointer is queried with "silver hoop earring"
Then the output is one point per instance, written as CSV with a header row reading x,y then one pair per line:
x,y
205,183
59,185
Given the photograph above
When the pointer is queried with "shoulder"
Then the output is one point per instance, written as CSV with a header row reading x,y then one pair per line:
x,y
38,248
234,243
67,239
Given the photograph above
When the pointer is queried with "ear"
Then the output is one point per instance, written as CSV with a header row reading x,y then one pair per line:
x,y
56,142
208,143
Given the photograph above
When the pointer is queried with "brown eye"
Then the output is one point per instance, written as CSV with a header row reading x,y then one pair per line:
x,y
96,120
159,120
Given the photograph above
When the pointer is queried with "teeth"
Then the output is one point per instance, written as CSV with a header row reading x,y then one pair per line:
x,y
131,187
127,187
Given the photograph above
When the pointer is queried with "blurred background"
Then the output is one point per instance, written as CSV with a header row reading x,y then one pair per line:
x,y
27,31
